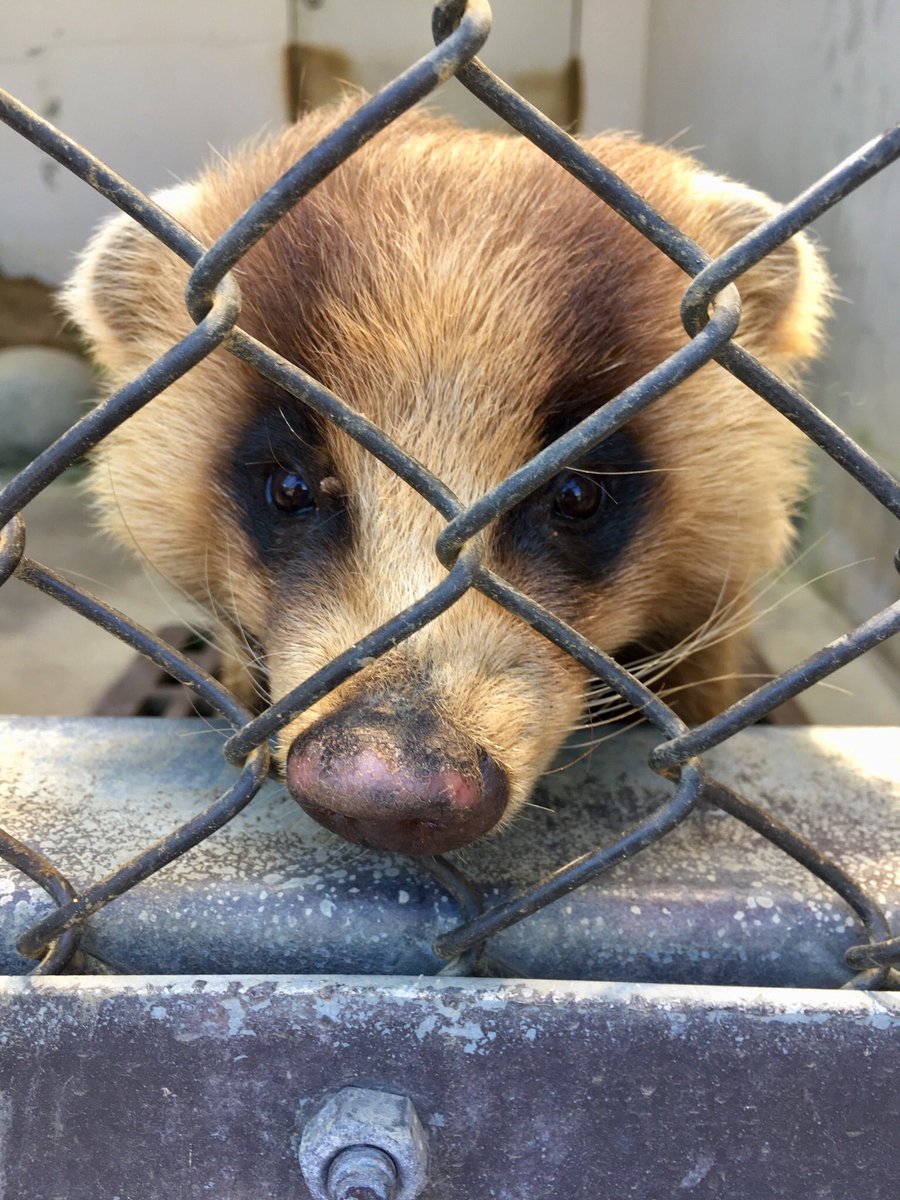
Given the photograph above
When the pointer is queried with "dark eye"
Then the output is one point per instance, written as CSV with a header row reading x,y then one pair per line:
x,y
288,492
577,497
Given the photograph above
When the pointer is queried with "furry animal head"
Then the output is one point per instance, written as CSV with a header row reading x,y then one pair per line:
x,y
465,293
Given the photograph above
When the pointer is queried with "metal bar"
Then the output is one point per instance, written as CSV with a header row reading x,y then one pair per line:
x,y
273,893
203,1086
583,869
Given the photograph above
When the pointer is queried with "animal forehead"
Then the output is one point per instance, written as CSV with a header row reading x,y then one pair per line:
x,y
469,454
455,287
434,244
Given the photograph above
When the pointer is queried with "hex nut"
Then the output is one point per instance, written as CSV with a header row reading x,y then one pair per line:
x,y
362,1117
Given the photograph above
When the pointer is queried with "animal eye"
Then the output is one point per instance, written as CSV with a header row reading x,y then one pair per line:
x,y
288,492
577,497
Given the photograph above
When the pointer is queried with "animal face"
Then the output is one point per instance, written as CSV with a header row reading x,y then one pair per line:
x,y
467,295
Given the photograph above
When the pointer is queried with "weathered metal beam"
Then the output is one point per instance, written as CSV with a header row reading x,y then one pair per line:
x,y
273,892
177,1088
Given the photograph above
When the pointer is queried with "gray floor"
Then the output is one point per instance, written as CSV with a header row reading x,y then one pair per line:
x,y
57,663
54,661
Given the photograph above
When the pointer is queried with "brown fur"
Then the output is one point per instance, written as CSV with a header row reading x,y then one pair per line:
x,y
458,288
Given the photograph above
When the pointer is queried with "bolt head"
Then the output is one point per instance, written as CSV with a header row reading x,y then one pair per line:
x,y
359,1119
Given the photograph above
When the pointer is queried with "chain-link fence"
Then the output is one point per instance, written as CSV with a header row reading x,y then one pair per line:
x,y
711,315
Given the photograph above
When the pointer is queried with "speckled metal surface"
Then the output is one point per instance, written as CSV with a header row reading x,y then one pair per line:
x,y
273,892
177,1089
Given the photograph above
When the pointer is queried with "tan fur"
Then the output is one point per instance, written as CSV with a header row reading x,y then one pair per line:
x,y
442,282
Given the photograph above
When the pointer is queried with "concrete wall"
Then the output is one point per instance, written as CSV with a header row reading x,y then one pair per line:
x,y
776,94
149,88
153,89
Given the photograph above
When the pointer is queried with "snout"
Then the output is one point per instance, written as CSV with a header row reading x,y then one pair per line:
x,y
390,773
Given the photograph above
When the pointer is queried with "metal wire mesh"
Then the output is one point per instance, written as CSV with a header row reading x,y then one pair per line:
x,y
711,315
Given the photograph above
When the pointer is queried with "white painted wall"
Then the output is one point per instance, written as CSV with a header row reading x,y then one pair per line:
x,y
777,94
613,43
152,88
530,44
148,88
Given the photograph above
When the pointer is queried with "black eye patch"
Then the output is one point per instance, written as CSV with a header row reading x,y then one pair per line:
x,y
282,483
581,522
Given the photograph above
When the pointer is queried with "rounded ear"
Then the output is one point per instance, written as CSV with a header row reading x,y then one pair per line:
x,y
127,289
787,296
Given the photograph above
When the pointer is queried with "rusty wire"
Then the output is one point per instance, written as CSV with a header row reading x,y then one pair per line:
x,y
711,315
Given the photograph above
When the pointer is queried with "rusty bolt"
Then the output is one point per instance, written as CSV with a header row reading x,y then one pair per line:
x,y
364,1145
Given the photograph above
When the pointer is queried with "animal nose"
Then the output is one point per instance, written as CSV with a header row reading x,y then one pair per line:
x,y
410,785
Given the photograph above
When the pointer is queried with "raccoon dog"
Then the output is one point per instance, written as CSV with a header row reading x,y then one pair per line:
x,y
466,294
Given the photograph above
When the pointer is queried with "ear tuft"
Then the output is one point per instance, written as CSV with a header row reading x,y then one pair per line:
x,y
787,297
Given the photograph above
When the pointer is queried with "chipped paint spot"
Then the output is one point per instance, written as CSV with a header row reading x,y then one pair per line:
x,y
425,1026
236,1012
698,1171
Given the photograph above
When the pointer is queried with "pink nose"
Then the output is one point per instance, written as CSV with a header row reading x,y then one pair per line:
x,y
374,779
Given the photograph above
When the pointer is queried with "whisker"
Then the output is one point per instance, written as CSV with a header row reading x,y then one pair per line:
x,y
542,807
633,471
592,745
303,441
726,620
